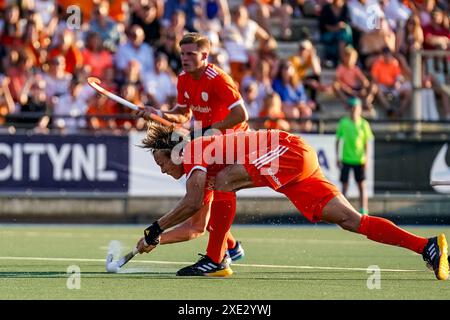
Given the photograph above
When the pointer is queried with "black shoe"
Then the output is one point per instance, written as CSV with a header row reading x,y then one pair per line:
x,y
206,267
435,254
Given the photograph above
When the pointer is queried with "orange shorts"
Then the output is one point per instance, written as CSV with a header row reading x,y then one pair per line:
x,y
297,175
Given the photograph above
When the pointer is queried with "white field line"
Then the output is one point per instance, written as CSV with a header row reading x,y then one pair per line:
x,y
187,263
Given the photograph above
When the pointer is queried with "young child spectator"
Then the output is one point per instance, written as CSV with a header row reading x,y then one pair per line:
x,y
272,108
351,82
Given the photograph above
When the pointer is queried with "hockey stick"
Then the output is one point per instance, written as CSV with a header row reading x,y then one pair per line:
x,y
114,266
95,83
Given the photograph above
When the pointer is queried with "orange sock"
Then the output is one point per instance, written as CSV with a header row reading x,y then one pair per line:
x,y
384,231
223,209
231,241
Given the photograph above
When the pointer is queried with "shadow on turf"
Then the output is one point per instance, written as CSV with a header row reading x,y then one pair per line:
x,y
269,276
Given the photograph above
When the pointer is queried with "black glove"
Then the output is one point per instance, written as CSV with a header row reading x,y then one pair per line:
x,y
151,234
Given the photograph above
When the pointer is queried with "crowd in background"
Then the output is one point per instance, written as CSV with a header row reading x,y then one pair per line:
x,y
47,51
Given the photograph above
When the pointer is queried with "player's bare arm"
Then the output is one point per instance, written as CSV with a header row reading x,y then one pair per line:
x,y
177,114
237,115
186,208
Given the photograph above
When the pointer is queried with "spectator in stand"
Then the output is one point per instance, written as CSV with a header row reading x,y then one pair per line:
x,y
145,15
239,41
18,72
7,105
57,79
135,49
293,96
262,11
364,17
70,110
131,92
412,37
191,9
437,37
335,29
169,46
396,14
261,76
306,8
67,48
215,15
104,25
307,67
96,56
100,105
387,74
161,85
35,39
425,8
250,95
272,108
177,25
351,82
47,10
14,27
371,44
437,33
33,102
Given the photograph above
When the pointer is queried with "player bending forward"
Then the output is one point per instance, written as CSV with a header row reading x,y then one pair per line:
x,y
275,159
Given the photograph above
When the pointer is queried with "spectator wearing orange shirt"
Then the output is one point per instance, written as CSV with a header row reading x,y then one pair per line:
x,y
96,56
67,48
387,74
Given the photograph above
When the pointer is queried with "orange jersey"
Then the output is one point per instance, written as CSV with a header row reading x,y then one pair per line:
x,y
274,156
211,97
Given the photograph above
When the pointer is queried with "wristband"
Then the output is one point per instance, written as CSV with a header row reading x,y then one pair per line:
x,y
151,234
159,113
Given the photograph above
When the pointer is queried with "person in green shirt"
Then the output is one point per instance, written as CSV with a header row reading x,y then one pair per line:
x,y
355,133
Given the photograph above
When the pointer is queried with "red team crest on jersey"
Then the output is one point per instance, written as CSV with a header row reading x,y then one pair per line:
x,y
211,97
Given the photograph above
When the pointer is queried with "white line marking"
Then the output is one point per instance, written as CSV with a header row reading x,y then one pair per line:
x,y
188,263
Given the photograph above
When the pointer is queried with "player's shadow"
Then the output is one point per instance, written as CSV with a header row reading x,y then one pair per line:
x,y
105,275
